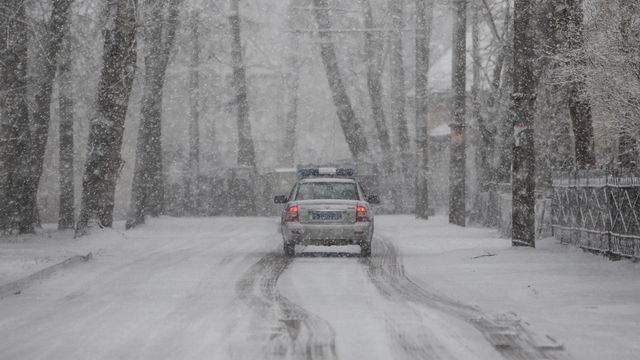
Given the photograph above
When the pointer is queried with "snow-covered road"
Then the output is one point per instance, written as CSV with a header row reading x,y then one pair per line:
x,y
221,289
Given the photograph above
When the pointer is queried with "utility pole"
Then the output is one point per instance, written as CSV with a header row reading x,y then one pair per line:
x,y
524,96
457,172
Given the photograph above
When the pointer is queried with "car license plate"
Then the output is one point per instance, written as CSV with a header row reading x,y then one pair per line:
x,y
327,215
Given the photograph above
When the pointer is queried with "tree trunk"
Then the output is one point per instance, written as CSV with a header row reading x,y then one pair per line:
x,y
194,133
424,14
14,134
292,81
246,149
502,78
627,150
147,195
457,191
398,98
627,143
66,216
351,127
557,151
579,106
46,63
523,167
156,191
397,89
482,165
373,46
580,110
107,125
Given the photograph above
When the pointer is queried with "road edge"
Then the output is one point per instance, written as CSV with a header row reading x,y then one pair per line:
x,y
14,288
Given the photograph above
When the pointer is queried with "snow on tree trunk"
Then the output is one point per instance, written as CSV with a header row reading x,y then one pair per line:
x,y
424,13
66,216
523,167
353,133
14,113
246,149
107,124
147,195
457,191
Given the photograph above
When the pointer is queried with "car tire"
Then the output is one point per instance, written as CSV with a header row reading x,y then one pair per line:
x,y
365,249
289,250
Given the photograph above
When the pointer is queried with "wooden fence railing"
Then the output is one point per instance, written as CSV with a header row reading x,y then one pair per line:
x,y
598,211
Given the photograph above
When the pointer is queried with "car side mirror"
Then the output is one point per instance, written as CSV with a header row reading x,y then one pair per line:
x,y
373,199
280,199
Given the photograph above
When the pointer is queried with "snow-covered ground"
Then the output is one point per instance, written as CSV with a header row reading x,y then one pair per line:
x,y
220,288
586,302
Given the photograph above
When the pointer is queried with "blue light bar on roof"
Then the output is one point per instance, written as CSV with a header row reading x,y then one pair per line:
x,y
345,172
309,172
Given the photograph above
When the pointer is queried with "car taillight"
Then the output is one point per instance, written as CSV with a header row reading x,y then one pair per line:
x,y
292,214
361,214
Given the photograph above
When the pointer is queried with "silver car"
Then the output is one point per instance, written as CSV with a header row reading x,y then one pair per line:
x,y
327,207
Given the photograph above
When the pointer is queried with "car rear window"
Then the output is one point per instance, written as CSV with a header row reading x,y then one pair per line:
x,y
327,190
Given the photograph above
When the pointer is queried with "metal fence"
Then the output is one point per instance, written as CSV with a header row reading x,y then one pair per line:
x,y
598,211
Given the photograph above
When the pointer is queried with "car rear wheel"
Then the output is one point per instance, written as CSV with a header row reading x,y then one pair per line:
x,y
365,249
289,250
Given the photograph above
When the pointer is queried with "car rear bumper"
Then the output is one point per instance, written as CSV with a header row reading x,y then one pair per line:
x,y
325,234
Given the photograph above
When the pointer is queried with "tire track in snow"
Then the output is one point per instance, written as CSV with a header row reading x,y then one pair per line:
x,y
293,333
505,333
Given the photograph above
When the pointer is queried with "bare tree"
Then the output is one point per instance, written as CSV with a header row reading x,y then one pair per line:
x,y
246,149
579,104
457,191
611,50
351,127
194,128
629,46
397,86
373,46
499,103
523,181
553,138
14,113
107,124
46,64
495,129
292,81
424,13
66,216
485,144
147,194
